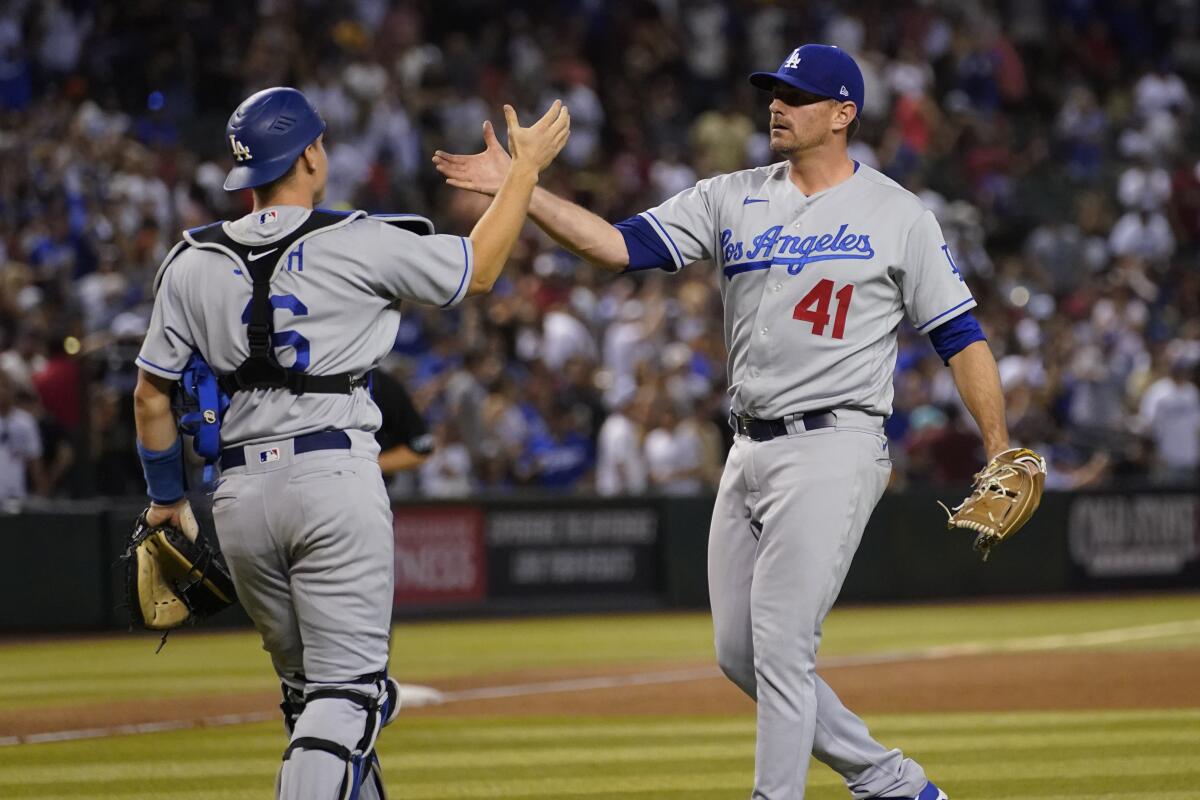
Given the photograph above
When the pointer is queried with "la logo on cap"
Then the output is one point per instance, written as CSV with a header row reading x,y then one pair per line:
x,y
793,61
240,151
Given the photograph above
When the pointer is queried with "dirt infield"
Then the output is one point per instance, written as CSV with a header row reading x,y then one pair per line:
x,y
1066,680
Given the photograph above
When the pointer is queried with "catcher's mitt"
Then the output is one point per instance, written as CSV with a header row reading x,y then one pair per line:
x,y
1006,493
172,577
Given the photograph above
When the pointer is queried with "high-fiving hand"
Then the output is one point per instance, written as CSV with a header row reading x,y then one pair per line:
x,y
536,146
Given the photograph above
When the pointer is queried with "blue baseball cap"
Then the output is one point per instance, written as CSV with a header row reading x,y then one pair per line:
x,y
819,69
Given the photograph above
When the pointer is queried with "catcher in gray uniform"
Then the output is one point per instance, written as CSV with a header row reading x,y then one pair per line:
x,y
818,259
289,307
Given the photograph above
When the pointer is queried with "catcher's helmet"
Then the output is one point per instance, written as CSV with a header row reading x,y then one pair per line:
x,y
267,133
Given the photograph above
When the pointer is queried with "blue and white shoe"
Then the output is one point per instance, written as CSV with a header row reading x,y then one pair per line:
x,y
930,792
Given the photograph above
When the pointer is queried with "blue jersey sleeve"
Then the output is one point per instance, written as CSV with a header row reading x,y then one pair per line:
x,y
951,337
646,248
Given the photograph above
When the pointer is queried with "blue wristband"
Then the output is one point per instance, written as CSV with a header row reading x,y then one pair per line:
x,y
164,472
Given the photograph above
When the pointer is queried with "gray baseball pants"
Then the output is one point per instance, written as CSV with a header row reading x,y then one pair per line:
x,y
308,539
789,516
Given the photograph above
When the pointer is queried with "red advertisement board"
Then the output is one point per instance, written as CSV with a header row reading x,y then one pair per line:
x,y
439,555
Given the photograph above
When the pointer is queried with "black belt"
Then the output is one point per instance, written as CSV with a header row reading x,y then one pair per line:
x,y
321,440
763,430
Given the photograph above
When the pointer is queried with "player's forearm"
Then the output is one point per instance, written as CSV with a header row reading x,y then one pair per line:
x,y
585,234
152,412
496,232
400,459
978,383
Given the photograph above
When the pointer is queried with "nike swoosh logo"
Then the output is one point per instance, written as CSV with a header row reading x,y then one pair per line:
x,y
257,256
750,200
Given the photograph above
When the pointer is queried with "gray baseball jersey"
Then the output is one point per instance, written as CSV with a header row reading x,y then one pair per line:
x,y
333,296
307,535
814,287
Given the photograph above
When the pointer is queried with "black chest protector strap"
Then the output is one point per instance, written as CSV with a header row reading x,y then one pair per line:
x,y
262,370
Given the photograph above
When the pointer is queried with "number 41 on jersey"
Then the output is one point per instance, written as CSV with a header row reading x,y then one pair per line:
x,y
814,308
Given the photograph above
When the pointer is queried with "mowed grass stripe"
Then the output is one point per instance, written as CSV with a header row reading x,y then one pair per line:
x,y
682,776
240,762
153,787
408,763
941,732
997,729
1091,794
724,790
68,671
521,765
96,774
1082,737
419,743
1017,786
1165,748
1037,720
160,688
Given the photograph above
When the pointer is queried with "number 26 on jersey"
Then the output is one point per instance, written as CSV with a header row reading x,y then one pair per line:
x,y
814,308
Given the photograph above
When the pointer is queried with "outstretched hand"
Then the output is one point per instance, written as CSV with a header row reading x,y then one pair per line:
x,y
536,145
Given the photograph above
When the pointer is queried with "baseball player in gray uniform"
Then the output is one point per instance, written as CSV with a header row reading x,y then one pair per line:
x,y
818,259
289,307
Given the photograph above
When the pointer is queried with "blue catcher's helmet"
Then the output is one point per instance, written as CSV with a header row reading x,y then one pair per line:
x,y
267,133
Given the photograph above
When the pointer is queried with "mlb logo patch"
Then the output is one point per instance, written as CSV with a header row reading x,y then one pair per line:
x,y
267,216
267,456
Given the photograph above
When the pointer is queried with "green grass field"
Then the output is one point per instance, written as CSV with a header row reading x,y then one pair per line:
x,y
1126,754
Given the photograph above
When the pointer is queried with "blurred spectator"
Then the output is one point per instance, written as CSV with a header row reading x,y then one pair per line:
x,y
675,454
1082,126
1161,90
20,446
562,457
947,450
447,472
564,337
699,431
720,140
59,383
24,359
1170,409
620,464
1054,142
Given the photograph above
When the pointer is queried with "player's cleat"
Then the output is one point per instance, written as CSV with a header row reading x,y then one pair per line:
x,y
930,792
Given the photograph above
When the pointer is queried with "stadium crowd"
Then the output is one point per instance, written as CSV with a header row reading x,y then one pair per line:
x,y
1055,141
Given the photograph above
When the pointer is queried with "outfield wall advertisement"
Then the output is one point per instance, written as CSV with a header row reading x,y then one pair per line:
x,y
439,555
1135,535
550,554
572,551
453,555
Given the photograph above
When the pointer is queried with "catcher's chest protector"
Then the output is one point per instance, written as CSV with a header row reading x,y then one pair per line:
x,y
261,369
